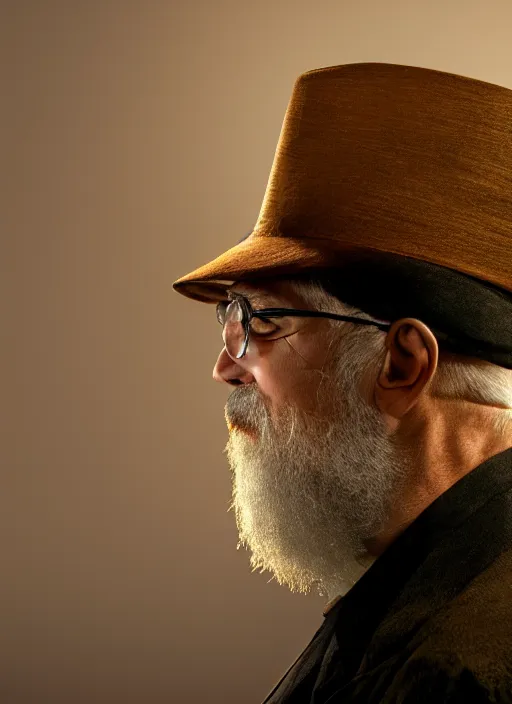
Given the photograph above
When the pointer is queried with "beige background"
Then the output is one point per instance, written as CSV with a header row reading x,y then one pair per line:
x,y
139,139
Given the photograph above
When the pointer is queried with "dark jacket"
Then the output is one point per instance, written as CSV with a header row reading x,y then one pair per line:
x,y
431,619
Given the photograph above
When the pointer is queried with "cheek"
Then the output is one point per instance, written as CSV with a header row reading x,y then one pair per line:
x,y
283,376
271,377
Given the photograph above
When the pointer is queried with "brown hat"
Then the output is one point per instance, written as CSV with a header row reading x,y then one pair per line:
x,y
394,182
383,158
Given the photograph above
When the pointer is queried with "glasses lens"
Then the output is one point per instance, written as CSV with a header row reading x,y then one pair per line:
x,y
221,311
234,332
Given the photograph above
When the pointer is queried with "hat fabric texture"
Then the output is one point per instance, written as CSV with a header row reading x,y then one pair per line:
x,y
406,168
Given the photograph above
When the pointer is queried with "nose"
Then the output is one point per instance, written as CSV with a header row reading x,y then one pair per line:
x,y
227,371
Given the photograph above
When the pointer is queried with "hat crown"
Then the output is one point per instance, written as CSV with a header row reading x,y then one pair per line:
x,y
401,159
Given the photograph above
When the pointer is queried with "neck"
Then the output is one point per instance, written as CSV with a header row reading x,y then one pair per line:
x,y
443,444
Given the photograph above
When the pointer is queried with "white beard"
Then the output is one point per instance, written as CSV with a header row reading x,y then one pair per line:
x,y
308,490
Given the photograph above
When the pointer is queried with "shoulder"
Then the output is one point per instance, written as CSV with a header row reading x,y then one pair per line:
x,y
441,678
463,653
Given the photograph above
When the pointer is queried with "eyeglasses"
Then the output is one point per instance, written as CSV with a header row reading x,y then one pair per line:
x,y
239,321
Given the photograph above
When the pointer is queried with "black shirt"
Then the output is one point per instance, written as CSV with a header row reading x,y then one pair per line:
x,y
431,619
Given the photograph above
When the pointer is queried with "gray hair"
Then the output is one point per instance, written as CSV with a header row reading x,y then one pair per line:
x,y
456,378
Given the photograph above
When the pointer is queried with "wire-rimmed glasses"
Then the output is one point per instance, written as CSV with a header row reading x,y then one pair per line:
x,y
237,314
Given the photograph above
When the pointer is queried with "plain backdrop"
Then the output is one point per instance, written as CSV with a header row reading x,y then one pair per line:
x,y
137,140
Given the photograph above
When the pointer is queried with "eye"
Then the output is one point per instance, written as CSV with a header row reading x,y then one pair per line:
x,y
263,326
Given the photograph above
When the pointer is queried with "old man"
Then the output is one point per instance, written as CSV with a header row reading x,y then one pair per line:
x,y
367,329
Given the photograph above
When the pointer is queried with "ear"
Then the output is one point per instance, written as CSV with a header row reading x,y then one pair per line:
x,y
410,362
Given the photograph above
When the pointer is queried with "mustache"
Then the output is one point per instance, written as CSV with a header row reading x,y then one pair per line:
x,y
246,408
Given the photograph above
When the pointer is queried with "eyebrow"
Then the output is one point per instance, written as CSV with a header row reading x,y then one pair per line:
x,y
258,299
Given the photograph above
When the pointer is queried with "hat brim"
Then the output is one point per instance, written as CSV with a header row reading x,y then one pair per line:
x,y
264,257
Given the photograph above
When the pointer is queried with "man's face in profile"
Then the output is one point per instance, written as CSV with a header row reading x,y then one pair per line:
x,y
313,463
